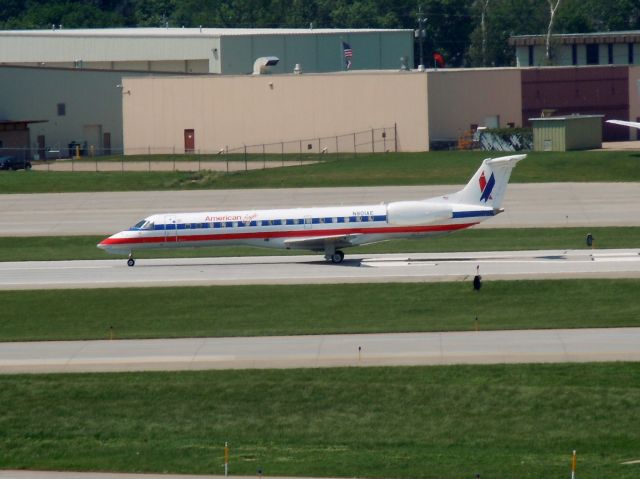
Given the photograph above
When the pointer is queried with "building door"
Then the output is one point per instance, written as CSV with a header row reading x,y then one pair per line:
x,y
106,143
189,141
41,152
92,140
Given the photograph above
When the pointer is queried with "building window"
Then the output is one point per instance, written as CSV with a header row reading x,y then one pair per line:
x,y
62,109
530,55
574,54
610,53
593,54
630,53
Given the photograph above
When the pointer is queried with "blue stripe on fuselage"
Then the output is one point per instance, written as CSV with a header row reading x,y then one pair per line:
x,y
471,214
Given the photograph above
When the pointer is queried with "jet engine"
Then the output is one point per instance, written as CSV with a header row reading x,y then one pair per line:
x,y
403,213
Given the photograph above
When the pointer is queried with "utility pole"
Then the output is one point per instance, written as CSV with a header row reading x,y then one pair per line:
x,y
420,33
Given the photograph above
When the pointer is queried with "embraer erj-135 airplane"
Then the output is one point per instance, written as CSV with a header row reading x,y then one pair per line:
x,y
327,229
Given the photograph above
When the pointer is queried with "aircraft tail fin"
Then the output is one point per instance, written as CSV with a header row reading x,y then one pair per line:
x,y
489,183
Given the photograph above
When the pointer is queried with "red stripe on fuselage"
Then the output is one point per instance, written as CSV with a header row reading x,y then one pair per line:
x,y
171,238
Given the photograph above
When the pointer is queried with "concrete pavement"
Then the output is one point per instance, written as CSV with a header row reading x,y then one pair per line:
x,y
526,205
339,350
313,269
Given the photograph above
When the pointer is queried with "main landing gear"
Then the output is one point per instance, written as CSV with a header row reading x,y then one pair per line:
x,y
336,257
131,261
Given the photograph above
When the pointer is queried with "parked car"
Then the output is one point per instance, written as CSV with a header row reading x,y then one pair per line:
x,y
13,163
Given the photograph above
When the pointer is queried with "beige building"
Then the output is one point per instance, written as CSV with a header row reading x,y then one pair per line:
x,y
214,113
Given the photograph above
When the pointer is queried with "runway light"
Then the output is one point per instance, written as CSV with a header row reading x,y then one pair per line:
x,y
477,279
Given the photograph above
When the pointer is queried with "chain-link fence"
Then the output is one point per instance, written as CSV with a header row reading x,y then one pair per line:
x,y
78,157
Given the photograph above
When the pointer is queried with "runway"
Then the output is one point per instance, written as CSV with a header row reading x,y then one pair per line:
x,y
315,270
526,205
489,347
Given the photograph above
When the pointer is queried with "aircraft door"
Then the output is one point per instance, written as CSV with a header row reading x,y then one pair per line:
x,y
170,229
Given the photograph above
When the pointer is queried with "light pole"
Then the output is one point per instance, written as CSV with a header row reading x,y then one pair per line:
x,y
420,34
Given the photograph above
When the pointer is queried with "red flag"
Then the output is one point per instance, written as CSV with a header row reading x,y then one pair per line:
x,y
438,59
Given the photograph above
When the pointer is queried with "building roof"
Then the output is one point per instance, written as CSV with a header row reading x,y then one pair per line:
x,y
564,118
189,32
631,36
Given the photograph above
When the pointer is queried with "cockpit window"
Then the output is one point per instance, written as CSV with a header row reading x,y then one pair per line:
x,y
143,225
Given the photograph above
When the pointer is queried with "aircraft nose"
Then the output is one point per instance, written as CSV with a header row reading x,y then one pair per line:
x,y
104,244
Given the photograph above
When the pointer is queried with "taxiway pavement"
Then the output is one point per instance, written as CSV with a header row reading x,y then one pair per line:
x,y
526,205
340,350
311,269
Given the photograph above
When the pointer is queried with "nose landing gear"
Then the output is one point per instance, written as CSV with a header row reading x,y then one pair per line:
x,y
131,261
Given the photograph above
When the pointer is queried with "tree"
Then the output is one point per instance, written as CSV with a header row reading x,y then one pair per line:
x,y
552,13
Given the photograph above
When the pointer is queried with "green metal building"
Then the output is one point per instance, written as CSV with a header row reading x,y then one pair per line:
x,y
566,133
225,51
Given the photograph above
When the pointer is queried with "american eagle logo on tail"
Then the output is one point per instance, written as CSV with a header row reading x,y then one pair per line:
x,y
486,187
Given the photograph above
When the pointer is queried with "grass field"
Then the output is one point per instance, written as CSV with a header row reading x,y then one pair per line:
x,y
407,422
399,169
33,248
316,309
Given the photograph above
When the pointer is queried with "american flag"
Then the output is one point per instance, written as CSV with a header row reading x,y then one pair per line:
x,y
348,54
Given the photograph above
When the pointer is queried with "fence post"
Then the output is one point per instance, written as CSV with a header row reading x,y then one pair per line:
x,y
199,159
245,158
282,151
354,145
337,147
319,150
395,138
373,142
264,158
300,152
226,155
384,140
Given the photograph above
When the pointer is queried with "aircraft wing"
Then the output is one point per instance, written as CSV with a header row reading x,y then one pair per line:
x,y
319,243
631,124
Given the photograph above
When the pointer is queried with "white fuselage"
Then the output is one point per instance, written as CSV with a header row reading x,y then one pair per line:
x,y
298,228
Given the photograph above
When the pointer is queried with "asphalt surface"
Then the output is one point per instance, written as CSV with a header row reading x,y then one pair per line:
x,y
419,267
483,347
526,205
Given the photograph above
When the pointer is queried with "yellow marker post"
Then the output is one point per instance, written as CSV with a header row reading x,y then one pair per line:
x,y
226,459
574,462
77,152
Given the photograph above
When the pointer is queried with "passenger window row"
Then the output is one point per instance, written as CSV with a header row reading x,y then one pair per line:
x,y
275,222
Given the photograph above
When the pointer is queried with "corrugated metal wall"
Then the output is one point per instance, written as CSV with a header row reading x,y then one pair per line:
x,y
317,53
549,135
585,91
